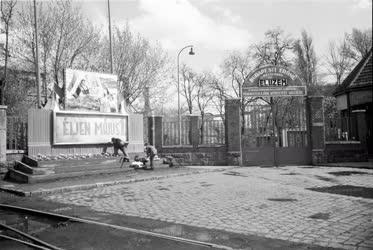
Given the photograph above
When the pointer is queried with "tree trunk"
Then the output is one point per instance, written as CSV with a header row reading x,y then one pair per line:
x,y
242,106
45,78
147,109
202,127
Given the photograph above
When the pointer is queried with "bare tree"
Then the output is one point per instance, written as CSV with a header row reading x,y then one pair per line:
x,y
197,88
67,38
338,60
140,67
75,35
7,11
204,97
19,85
274,49
305,60
220,94
343,55
359,43
277,49
188,86
236,68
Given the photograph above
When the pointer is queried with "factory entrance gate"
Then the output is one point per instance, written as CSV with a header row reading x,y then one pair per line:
x,y
274,129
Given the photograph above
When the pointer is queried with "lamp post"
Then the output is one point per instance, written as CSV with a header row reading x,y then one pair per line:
x,y
191,52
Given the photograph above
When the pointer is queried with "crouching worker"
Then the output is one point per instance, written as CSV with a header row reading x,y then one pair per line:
x,y
151,152
122,146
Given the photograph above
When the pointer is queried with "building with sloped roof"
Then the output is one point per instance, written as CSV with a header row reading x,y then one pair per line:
x,y
354,101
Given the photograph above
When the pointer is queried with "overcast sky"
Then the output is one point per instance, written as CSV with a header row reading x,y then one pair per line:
x,y
216,27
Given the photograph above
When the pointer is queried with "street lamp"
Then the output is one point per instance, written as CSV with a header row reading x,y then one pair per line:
x,y
191,52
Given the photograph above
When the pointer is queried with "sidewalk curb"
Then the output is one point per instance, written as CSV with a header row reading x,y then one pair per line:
x,y
102,184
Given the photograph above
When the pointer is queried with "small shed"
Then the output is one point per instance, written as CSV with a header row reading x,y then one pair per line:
x,y
354,102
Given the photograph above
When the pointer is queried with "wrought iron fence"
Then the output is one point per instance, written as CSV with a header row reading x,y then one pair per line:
x,y
170,132
290,126
16,133
333,129
296,138
213,132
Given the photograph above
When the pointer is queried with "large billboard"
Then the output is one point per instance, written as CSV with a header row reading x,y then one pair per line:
x,y
88,128
91,91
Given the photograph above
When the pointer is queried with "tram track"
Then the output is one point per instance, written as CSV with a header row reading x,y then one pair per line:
x,y
23,242
60,217
36,243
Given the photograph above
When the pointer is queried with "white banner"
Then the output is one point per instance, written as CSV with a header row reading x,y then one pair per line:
x,y
88,128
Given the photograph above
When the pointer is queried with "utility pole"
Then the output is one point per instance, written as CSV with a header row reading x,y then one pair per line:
x,y
240,121
37,59
110,42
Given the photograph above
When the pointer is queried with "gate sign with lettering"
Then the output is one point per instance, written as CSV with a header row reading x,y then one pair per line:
x,y
271,81
88,128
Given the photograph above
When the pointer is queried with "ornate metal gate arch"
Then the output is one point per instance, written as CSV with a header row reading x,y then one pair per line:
x,y
275,130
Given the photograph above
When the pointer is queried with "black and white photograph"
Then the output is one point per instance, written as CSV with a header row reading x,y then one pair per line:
x,y
186,124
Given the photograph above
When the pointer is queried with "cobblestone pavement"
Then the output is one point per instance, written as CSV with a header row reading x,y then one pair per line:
x,y
269,202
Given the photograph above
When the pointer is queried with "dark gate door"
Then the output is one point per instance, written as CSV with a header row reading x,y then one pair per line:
x,y
275,132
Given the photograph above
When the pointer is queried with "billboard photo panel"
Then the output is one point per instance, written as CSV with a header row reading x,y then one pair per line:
x,y
91,91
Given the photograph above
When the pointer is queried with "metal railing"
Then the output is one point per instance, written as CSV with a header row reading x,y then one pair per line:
x,y
170,133
333,130
213,132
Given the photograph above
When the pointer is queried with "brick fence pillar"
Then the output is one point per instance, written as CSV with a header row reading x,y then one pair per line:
x,y
194,130
155,131
316,128
2,134
232,130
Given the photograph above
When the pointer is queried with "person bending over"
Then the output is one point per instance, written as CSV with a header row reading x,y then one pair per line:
x,y
122,146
